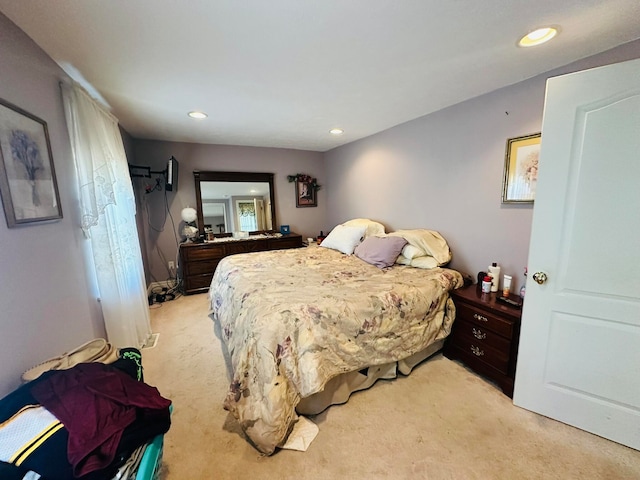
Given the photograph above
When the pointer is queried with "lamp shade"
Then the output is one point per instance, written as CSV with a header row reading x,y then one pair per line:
x,y
189,215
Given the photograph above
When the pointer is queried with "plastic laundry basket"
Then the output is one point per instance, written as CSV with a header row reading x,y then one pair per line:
x,y
152,458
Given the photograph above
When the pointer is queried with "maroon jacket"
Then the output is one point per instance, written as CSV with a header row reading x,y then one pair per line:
x,y
95,402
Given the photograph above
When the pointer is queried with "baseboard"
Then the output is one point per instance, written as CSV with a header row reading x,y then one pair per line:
x,y
152,341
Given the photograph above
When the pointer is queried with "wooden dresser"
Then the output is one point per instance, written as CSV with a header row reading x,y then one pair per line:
x,y
199,260
485,335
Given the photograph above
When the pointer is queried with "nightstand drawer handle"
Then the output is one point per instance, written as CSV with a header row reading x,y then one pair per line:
x,y
476,351
477,316
479,334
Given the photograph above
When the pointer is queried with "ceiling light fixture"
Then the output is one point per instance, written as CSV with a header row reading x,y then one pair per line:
x,y
336,131
196,114
538,37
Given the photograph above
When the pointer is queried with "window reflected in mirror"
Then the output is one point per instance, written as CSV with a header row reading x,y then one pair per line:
x,y
230,202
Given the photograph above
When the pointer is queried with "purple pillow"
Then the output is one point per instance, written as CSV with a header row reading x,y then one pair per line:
x,y
380,251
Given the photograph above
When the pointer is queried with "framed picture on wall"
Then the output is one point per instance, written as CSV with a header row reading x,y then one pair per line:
x,y
28,184
521,169
305,194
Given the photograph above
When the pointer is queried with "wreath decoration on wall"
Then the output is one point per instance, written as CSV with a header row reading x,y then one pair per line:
x,y
303,178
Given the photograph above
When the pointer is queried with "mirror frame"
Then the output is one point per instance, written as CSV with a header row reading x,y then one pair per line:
x,y
206,176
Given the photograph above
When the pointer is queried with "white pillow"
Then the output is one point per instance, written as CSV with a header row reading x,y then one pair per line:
x,y
402,260
430,241
424,262
344,238
374,229
410,251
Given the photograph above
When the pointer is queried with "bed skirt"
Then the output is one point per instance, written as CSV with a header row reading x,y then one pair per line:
x,y
339,389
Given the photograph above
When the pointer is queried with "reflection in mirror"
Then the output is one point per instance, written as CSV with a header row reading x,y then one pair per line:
x,y
235,207
230,202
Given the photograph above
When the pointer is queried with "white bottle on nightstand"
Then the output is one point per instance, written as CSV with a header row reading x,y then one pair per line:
x,y
494,273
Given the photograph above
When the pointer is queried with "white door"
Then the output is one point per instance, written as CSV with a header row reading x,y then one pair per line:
x,y
579,353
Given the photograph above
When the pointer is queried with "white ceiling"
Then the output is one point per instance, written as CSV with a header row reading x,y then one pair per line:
x,y
281,73
222,190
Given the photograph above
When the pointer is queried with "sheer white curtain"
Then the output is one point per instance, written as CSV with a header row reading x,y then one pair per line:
x,y
108,209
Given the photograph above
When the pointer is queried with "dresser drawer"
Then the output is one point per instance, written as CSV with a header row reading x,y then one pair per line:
x,y
199,282
199,261
484,319
204,252
201,266
246,247
282,243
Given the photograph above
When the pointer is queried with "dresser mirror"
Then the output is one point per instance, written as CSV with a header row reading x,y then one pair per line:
x,y
228,202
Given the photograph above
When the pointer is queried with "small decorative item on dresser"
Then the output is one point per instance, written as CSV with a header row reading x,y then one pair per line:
x,y
190,229
284,229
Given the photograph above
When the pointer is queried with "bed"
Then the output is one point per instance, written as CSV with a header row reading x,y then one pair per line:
x,y
303,328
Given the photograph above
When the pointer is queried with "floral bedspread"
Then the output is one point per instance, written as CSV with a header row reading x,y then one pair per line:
x,y
293,319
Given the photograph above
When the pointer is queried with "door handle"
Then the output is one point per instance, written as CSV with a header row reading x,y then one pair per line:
x,y
540,277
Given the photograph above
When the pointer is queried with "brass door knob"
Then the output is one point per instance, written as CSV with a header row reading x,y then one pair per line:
x,y
540,277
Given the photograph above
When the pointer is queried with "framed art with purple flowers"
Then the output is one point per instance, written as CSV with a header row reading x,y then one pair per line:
x,y
28,184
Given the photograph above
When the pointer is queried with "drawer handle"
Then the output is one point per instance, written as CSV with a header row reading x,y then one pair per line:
x,y
477,316
479,334
476,351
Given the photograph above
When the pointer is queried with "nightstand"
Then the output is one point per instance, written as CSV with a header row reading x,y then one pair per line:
x,y
485,335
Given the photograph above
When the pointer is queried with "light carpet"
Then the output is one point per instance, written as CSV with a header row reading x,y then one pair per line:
x,y
441,422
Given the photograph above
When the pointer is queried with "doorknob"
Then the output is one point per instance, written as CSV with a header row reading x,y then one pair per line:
x,y
540,277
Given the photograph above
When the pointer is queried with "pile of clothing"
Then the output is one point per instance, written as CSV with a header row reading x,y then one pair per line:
x,y
83,420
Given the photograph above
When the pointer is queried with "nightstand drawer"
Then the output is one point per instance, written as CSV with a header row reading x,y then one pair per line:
x,y
481,335
483,352
484,319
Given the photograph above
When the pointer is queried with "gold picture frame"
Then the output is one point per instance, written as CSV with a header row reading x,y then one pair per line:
x,y
28,184
521,169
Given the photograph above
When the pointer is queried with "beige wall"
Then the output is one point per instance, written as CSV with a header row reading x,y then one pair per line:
x,y
47,305
162,231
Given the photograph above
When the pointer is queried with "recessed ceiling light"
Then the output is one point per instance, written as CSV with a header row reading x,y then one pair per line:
x,y
538,37
336,131
196,114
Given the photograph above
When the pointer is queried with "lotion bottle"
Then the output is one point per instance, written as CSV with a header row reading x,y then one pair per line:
x,y
494,273
506,286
